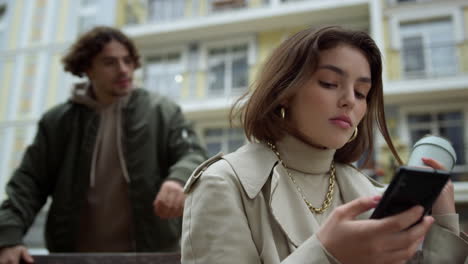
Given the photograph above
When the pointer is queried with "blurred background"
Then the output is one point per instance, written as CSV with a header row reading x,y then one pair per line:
x,y
205,53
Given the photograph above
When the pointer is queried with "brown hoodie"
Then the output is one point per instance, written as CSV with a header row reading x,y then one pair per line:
x,y
105,218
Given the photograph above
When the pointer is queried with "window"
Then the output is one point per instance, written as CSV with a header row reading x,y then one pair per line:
x,y
428,49
448,124
222,5
3,15
165,10
87,15
227,70
164,74
223,140
395,2
131,14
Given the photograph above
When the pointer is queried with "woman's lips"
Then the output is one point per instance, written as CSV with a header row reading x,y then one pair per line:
x,y
340,123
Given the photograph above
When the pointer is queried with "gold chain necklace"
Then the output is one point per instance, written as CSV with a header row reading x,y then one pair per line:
x,y
328,197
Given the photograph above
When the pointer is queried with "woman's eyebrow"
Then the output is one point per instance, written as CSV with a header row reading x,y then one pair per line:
x,y
343,73
332,68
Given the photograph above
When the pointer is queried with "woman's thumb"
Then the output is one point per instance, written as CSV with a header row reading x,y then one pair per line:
x,y
359,206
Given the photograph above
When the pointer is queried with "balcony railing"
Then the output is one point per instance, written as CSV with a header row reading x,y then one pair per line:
x,y
418,61
163,11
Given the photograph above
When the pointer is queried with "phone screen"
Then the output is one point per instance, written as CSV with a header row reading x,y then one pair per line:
x,y
411,186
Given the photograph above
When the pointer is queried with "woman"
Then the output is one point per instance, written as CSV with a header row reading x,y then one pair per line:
x,y
291,195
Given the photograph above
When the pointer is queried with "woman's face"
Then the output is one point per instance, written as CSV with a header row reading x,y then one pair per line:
x,y
333,102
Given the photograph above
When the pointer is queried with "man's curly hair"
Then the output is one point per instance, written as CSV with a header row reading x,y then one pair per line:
x,y
79,57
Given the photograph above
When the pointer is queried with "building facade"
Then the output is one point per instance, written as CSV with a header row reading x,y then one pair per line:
x,y
205,54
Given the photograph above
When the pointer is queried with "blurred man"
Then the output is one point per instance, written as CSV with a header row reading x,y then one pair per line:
x,y
113,159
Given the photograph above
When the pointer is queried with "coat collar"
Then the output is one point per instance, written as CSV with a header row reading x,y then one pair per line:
x,y
292,214
255,163
252,157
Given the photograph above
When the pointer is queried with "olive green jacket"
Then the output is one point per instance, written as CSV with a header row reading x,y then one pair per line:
x,y
159,144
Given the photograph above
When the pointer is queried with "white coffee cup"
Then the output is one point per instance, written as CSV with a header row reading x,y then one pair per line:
x,y
434,147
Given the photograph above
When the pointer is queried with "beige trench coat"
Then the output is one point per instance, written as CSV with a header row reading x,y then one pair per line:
x,y
239,209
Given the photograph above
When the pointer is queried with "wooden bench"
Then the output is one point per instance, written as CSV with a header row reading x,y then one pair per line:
x,y
108,258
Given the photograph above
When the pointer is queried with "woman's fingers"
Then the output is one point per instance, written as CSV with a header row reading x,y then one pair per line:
x,y
433,164
401,221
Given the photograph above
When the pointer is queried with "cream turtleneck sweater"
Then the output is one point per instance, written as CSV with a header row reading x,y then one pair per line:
x,y
310,167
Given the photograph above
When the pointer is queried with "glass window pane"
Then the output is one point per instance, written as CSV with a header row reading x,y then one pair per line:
x,y
456,115
3,9
443,59
216,78
240,48
85,23
455,135
236,132
239,73
173,57
86,3
416,134
213,148
419,118
217,51
413,54
213,132
234,144
164,76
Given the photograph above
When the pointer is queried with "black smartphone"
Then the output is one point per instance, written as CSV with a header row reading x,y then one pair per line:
x,y
409,187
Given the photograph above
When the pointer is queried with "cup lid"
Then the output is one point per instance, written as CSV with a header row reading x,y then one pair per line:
x,y
438,141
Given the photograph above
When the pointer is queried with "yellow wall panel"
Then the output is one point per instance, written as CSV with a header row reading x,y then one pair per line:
x,y
54,74
463,58
465,16
267,41
255,3
120,17
17,20
188,8
185,89
62,20
201,85
6,82
203,7
392,58
253,71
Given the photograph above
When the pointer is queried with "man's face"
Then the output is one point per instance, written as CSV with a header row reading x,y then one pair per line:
x,y
111,72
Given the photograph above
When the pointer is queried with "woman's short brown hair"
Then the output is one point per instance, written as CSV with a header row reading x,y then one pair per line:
x,y
288,68
79,57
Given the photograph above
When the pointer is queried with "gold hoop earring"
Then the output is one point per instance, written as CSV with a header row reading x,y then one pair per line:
x,y
283,112
354,136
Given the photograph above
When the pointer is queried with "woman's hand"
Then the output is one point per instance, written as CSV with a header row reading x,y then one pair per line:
x,y
445,203
387,240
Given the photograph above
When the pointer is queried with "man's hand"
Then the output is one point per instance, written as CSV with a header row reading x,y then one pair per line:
x,y
169,202
13,255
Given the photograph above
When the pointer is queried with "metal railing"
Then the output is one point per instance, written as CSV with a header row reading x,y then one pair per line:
x,y
420,61
142,12
114,258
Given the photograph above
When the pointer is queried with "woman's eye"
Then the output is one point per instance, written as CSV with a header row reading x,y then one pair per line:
x,y
327,84
359,95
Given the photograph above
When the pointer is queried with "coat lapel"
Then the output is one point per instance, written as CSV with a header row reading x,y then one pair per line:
x,y
289,210
353,184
